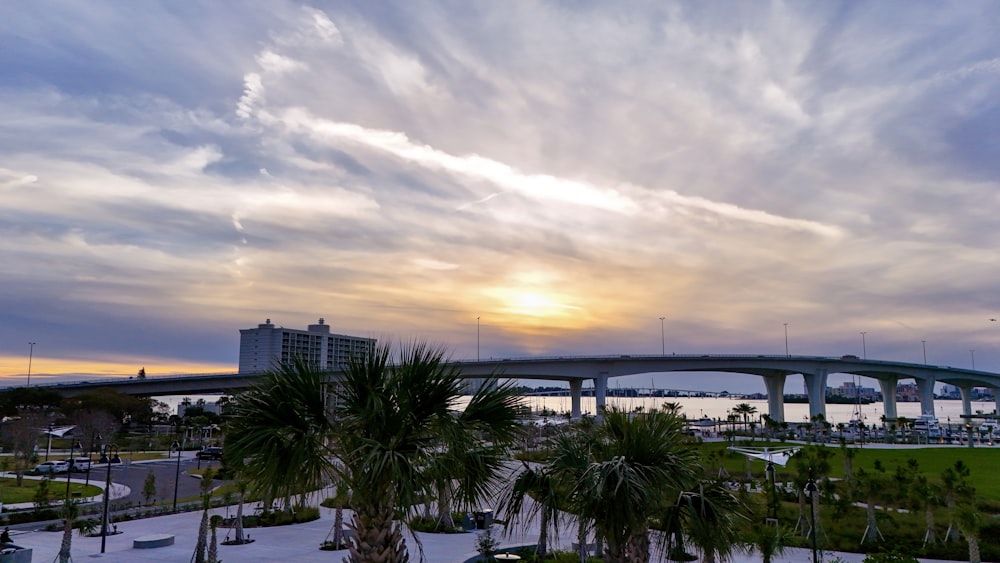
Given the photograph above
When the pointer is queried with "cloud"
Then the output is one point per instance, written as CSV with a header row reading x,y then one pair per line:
x,y
566,173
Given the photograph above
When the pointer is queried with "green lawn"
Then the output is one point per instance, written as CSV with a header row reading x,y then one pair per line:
x,y
982,462
10,493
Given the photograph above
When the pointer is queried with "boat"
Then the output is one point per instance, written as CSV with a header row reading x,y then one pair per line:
x,y
703,422
927,424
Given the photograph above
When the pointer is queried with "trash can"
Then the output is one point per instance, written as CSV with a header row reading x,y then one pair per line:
x,y
468,522
484,519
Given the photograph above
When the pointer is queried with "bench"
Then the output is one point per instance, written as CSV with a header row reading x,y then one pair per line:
x,y
153,540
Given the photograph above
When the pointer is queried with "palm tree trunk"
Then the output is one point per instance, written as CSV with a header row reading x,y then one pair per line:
x,y
213,548
67,542
929,536
444,519
543,536
239,522
338,526
581,538
199,548
974,556
377,537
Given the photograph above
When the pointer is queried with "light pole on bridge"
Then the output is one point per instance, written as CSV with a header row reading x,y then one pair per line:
x,y
31,353
663,340
924,344
477,339
864,348
787,355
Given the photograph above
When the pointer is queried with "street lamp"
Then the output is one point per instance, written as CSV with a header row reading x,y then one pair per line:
x,y
107,488
924,344
72,462
774,504
31,352
48,446
177,474
973,354
663,340
864,348
90,451
477,339
811,488
787,355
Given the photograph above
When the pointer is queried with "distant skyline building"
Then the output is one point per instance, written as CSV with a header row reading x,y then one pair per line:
x,y
266,346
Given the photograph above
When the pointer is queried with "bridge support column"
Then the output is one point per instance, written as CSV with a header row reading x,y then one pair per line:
x,y
575,392
888,387
775,385
816,390
996,401
601,392
926,389
966,392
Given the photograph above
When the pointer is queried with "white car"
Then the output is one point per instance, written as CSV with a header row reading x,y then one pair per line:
x,y
79,464
52,467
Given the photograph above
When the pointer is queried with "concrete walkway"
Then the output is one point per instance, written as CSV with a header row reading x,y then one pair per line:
x,y
298,543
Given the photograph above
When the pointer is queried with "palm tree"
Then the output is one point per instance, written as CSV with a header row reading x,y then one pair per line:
x,y
632,465
954,485
282,433
547,496
871,485
745,409
970,522
71,509
396,425
710,517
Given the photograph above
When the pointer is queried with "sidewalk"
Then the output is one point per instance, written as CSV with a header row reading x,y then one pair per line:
x,y
298,543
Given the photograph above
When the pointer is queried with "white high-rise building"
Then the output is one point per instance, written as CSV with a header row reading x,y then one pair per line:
x,y
267,346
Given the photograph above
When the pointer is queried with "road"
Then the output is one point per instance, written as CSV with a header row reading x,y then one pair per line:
x,y
134,475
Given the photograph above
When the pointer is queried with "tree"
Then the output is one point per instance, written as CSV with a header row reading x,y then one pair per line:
x,y
710,517
396,423
770,541
281,435
954,485
21,435
206,500
149,488
388,419
745,409
70,512
970,522
631,468
870,485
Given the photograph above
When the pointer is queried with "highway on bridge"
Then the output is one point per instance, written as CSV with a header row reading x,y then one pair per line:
x,y
577,369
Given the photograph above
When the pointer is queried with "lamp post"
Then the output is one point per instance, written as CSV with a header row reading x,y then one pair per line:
x,y
770,476
48,445
93,435
924,344
177,474
663,339
864,348
477,339
973,354
811,488
72,462
31,352
107,489
787,355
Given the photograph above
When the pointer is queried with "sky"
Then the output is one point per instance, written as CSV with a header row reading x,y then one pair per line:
x,y
504,179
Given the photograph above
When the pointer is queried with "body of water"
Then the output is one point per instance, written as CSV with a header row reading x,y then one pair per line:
x,y
697,407
712,407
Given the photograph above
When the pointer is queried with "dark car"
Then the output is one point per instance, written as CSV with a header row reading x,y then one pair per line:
x,y
210,453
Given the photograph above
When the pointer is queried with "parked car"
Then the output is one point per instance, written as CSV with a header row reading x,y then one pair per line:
x,y
210,453
79,464
52,467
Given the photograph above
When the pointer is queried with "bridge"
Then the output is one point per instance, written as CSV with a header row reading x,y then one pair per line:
x,y
599,369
